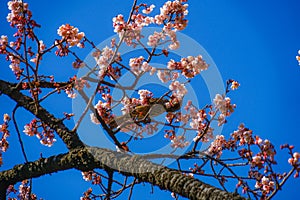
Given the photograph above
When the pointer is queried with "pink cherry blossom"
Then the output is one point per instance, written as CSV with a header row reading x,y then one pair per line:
x,y
175,8
178,141
295,159
145,94
223,104
131,31
234,85
148,9
216,146
179,89
266,185
81,83
163,75
298,57
3,44
104,110
190,66
257,161
136,65
70,34
155,38
103,59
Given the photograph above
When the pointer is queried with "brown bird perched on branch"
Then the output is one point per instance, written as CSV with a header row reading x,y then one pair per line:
x,y
143,113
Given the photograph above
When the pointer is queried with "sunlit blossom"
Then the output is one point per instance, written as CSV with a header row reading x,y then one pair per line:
x,y
70,34
149,9
179,89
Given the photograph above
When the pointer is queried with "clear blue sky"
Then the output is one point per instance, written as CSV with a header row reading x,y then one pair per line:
x,y
254,42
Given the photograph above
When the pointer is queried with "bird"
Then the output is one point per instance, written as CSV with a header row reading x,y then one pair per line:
x,y
142,114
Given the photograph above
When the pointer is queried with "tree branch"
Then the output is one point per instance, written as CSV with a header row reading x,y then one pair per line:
x,y
90,158
70,138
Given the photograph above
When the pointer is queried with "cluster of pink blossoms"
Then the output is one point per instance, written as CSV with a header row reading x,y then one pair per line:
x,y
216,146
131,31
5,134
257,161
179,89
103,109
266,185
155,38
178,141
243,135
158,38
46,136
165,75
3,44
15,17
197,116
38,56
167,30
198,119
81,83
138,65
91,176
103,59
69,90
19,16
17,7
172,15
70,34
130,103
145,95
190,66
263,159
25,191
267,151
176,8
223,104
295,159
15,65
148,9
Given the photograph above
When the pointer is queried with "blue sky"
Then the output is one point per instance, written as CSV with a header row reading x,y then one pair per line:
x,y
254,42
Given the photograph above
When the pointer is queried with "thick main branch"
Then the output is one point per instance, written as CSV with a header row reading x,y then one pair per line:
x,y
90,158
70,138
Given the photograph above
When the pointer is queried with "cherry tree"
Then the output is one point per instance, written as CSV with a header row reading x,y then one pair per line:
x,y
240,163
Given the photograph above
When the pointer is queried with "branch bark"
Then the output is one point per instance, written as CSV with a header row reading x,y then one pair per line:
x,y
89,158
70,138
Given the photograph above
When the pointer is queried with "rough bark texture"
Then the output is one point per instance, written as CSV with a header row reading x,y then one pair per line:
x,y
70,138
85,159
